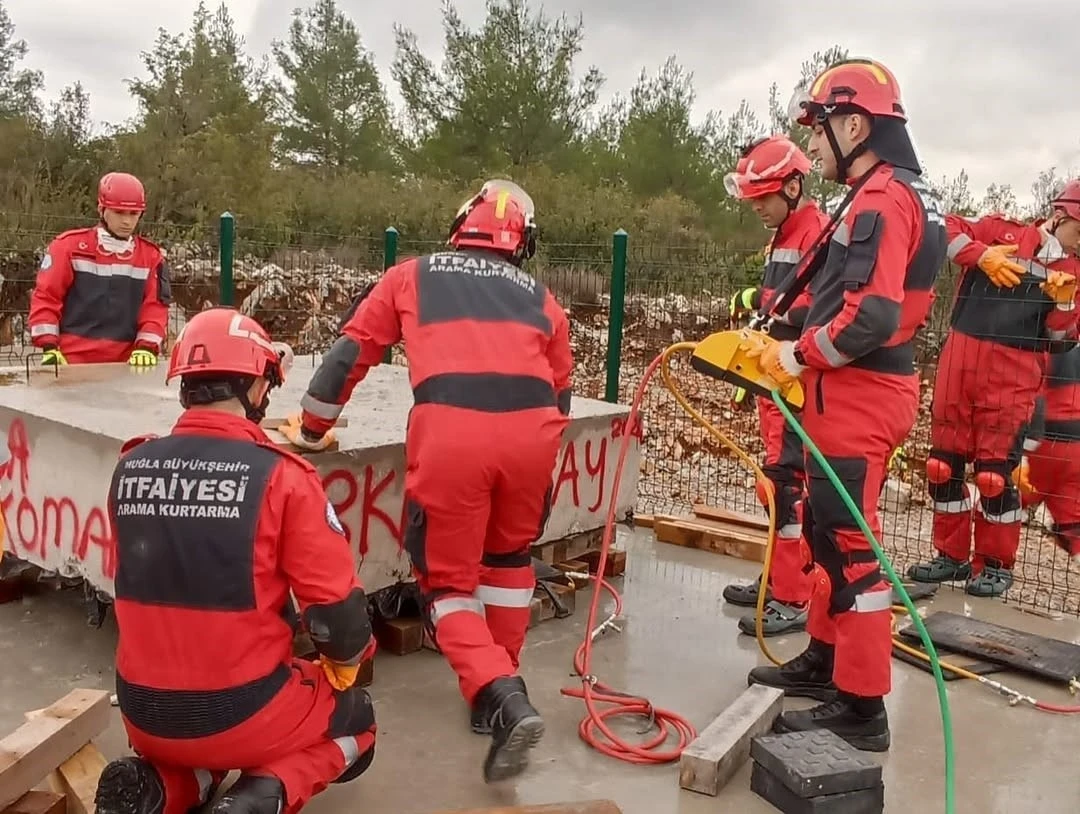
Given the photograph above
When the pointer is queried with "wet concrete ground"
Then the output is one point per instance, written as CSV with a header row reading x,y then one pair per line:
x,y
679,646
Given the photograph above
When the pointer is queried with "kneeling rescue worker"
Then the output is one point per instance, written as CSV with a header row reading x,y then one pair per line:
x,y
102,294
490,366
770,176
215,526
1015,305
856,361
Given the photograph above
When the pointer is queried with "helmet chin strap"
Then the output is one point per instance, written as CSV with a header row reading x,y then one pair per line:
x,y
843,162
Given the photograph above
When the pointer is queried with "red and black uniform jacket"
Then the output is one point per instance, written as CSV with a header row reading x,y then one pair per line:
x,y
789,245
876,288
1023,316
97,306
480,334
214,525
1057,410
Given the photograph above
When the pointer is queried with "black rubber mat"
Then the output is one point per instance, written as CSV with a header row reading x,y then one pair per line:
x,y
979,668
1026,652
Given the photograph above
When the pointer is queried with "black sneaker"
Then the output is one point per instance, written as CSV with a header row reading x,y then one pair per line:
x,y
808,675
516,727
252,794
130,785
862,722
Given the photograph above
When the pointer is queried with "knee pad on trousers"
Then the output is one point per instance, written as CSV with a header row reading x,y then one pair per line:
x,y
358,766
990,484
763,488
944,467
999,497
353,713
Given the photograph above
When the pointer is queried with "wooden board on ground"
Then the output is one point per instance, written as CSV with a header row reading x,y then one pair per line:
x,y
37,802
76,778
36,748
400,636
584,807
751,521
274,423
722,538
644,521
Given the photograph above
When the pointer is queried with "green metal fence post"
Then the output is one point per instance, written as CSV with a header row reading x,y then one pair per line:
x,y
615,314
390,237
226,244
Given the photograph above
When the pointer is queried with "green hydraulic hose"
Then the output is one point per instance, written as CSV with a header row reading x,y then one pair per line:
x,y
931,652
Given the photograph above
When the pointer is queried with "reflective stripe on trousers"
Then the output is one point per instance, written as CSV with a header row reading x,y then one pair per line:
x,y
484,595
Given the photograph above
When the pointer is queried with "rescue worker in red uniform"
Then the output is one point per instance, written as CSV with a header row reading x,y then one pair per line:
x,y
102,294
770,176
1049,471
490,366
856,360
1016,298
215,526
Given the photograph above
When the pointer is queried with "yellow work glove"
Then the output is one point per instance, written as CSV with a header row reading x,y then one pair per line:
x,y
742,302
53,356
770,360
293,431
1021,477
740,401
897,460
142,358
1002,271
1060,286
341,676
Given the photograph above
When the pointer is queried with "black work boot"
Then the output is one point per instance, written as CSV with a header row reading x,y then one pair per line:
x,y
252,794
478,721
130,785
808,675
516,727
862,722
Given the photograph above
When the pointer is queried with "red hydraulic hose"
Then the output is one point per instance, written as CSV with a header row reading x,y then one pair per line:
x,y
593,728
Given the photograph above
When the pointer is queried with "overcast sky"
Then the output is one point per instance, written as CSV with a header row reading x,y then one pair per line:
x,y
987,88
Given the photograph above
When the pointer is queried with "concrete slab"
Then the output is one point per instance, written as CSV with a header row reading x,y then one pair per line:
x,y
679,647
60,437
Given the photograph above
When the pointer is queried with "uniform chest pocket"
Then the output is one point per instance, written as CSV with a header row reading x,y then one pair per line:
x,y
862,250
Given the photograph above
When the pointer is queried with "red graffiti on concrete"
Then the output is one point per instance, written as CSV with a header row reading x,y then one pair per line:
x,y
54,522
593,455
364,502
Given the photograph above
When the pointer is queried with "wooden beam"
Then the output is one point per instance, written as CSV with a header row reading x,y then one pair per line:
x,y
37,747
750,521
37,802
585,807
730,539
714,756
77,777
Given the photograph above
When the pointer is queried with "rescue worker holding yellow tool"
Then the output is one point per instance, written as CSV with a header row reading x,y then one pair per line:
x,y
769,176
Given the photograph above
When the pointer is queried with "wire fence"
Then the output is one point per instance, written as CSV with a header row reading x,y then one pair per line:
x,y
626,302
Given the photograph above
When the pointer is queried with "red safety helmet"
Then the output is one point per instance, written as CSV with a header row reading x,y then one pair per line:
x,y
1068,200
224,341
765,166
851,86
121,191
500,218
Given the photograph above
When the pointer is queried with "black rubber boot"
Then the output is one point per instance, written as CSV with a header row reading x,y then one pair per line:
x,y
478,721
746,595
516,727
130,785
808,675
862,722
252,794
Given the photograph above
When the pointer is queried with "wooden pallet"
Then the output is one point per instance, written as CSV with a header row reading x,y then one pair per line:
x,y
55,745
735,534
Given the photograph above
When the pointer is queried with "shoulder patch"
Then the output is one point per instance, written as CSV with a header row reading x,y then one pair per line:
x,y
332,519
46,262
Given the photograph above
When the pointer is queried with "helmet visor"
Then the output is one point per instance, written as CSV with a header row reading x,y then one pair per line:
x,y
494,189
750,185
800,109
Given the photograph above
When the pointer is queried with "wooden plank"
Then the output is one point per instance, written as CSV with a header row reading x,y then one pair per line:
x,y
715,755
644,521
274,423
751,521
37,802
583,807
76,778
615,565
37,747
730,540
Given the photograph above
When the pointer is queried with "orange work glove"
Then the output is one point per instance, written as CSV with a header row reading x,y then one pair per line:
x,y
293,431
1002,271
341,676
1021,477
1060,286
771,360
